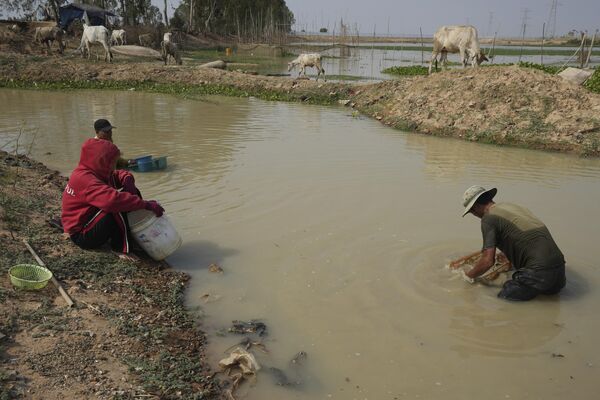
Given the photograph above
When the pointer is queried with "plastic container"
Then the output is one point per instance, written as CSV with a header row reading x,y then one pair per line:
x,y
145,166
143,159
157,236
160,162
29,276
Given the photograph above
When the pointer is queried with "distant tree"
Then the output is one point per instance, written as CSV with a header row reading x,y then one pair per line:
x,y
256,19
323,30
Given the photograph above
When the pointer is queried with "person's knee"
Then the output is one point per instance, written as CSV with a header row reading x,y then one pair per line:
x,y
515,291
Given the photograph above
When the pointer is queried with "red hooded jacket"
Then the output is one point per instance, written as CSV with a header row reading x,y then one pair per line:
x,y
92,190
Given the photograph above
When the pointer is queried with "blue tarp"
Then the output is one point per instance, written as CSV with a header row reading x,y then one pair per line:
x,y
71,12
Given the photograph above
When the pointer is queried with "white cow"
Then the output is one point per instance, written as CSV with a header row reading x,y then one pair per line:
x,y
95,34
117,37
457,39
307,60
49,34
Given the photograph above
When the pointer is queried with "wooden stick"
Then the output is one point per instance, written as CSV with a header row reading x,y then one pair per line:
x,y
457,263
61,290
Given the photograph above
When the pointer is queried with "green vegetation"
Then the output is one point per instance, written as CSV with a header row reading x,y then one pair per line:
x,y
551,69
186,91
497,51
593,83
411,70
256,20
168,374
421,70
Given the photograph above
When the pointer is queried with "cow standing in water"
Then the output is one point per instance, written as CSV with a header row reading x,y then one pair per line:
x,y
457,39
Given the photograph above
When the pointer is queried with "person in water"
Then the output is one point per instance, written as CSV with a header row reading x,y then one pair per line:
x,y
523,238
97,198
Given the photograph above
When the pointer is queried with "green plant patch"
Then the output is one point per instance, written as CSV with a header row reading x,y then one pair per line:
x,y
412,70
593,83
186,91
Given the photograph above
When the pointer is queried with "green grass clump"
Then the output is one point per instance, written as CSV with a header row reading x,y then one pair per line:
x,y
550,69
593,83
412,70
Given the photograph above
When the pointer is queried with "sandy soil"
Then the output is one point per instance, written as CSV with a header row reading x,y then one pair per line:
x,y
128,335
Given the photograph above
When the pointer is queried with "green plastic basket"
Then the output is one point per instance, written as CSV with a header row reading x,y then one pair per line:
x,y
29,276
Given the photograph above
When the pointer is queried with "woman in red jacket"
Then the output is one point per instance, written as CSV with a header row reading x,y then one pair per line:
x,y
97,197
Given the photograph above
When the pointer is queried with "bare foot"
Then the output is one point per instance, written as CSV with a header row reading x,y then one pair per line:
x,y
128,257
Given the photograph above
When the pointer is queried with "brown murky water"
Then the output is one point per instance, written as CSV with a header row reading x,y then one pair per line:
x,y
334,230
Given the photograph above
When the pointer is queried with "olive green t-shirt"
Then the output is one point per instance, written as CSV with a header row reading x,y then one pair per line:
x,y
522,237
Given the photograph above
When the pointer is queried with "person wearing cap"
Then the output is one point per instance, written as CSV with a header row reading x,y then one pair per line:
x,y
97,198
523,238
103,130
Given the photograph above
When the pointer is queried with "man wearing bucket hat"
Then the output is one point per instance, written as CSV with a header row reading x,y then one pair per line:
x,y
97,198
523,238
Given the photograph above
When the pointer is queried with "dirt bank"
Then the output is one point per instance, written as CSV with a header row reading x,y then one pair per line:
x,y
128,335
503,105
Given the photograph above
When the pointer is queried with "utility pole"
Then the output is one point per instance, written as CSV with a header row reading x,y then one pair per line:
x,y
524,22
552,18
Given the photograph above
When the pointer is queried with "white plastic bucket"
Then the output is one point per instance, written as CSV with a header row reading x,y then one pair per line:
x,y
157,236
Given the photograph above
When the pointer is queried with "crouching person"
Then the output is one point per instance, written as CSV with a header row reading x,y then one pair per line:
x,y
97,198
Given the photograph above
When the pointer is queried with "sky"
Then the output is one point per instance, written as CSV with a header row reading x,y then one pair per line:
x,y
406,17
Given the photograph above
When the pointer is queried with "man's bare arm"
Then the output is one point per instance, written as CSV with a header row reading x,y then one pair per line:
x,y
487,260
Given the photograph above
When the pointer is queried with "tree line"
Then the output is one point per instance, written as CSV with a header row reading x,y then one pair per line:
x,y
246,19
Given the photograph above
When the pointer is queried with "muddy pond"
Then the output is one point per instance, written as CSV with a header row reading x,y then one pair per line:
x,y
334,231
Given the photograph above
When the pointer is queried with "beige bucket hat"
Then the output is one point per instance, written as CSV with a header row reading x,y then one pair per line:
x,y
473,193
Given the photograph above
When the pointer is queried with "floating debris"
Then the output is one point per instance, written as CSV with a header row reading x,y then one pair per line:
x,y
253,326
240,358
215,268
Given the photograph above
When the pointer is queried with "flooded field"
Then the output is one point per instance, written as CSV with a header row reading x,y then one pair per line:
x,y
334,230
369,59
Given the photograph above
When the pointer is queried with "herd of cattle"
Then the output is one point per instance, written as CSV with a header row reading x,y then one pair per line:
x,y
447,39
101,35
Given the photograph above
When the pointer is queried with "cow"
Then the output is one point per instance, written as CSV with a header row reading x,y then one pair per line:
x,y
95,34
307,60
117,37
460,39
49,34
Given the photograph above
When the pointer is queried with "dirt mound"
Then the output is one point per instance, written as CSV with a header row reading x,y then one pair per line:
x,y
507,105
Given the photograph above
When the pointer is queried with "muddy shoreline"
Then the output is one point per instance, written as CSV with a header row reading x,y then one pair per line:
x,y
128,335
499,105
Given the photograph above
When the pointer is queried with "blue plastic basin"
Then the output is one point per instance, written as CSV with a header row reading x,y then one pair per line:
x,y
143,159
145,166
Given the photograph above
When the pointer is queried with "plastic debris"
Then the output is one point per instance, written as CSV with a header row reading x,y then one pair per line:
x,y
240,358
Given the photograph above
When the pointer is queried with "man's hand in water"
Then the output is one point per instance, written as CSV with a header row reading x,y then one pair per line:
x,y
487,260
465,277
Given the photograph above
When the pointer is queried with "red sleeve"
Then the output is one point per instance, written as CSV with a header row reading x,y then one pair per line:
x,y
119,176
108,199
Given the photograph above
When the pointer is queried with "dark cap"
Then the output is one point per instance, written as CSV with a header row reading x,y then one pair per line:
x,y
102,125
